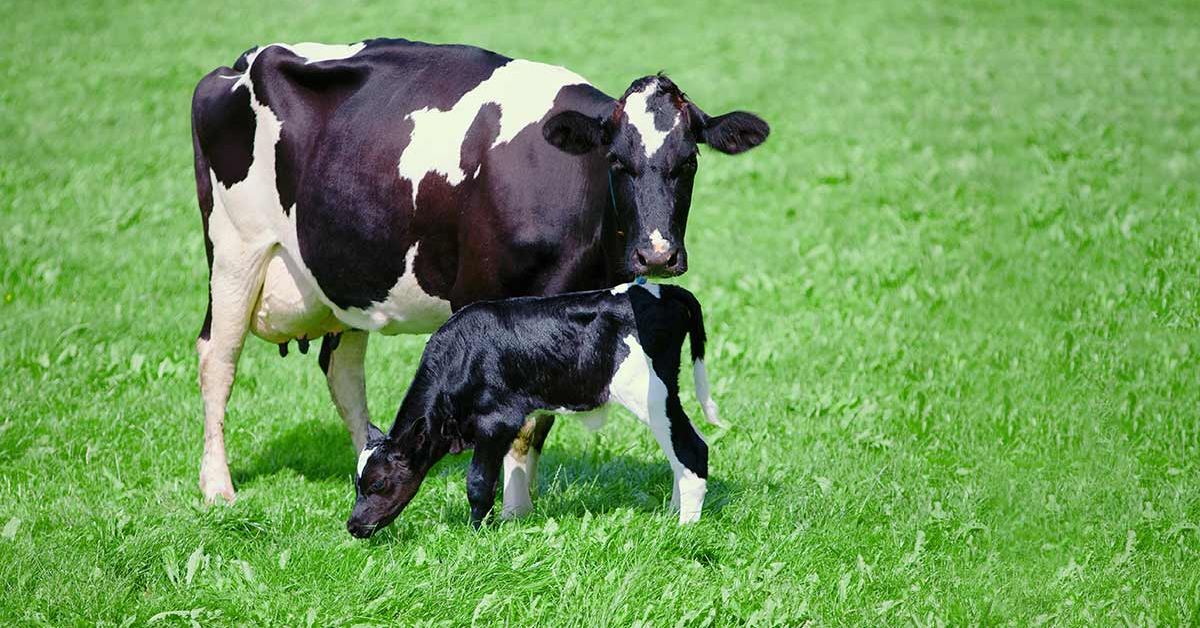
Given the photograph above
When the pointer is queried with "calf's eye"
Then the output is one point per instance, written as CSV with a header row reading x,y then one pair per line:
x,y
376,486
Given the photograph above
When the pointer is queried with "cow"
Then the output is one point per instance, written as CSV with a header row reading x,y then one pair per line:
x,y
494,364
382,185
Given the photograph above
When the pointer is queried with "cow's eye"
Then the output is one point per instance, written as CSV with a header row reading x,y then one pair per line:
x,y
615,164
687,166
376,486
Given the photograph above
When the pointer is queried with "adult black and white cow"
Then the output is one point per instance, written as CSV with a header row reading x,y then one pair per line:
x,y
379,186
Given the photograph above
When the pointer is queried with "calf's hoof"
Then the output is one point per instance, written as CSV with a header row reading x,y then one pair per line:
x,y
517,510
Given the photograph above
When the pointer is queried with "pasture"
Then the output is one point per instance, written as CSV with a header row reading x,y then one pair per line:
x,y
951,306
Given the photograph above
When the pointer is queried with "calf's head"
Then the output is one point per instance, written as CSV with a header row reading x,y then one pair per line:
x,y
390,471
650,138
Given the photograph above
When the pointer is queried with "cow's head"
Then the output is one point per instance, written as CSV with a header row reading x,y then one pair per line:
x,y
390,471
651,137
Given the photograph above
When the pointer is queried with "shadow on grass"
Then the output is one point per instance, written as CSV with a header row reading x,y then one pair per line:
x,y
570,483
318,450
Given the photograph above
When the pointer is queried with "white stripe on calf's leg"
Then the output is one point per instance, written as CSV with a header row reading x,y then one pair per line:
x,y
518,473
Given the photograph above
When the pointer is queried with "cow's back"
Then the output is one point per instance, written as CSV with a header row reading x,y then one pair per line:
x,y
380,166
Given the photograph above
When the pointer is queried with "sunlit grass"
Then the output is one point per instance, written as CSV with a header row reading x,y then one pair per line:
x,y
952,310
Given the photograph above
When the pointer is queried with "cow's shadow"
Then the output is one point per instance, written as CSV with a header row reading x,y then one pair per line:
x,y
570,482
317,451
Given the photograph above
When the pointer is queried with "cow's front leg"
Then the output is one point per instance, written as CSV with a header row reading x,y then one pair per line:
x,y
342,358
484,472
234,284
521,465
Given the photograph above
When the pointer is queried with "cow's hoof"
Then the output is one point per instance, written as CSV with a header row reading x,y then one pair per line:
x,y
216,492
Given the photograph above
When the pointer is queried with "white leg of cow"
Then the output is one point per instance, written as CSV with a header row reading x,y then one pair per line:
x,y
348,384
234,286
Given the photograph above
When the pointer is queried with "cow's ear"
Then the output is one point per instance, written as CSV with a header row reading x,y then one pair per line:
x,y
574,132
374,433
733,133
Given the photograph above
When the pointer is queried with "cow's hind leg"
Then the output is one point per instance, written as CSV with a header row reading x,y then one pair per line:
x,y
236,279
343,366
521,464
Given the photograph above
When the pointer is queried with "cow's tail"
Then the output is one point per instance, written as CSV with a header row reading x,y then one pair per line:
x,y
698,338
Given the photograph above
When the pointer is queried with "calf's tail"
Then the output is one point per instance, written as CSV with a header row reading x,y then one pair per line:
x,y
698,338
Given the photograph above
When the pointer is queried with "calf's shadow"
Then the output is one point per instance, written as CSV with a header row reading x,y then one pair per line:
x,y
570,483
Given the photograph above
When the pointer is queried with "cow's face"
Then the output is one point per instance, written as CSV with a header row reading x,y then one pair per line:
x,y
651,140
390,471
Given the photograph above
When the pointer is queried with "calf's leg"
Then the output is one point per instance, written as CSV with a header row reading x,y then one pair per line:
x,y
637,386
347,381
484,472
521,465
688,453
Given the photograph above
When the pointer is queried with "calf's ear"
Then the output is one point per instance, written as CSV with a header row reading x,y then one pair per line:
x,y
374,433
733,133
575,133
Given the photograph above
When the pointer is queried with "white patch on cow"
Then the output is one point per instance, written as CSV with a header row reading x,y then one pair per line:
x,y
524,90
290,306
660,244
641,115
314,52
363,457
408,309
652,288
704,394
593,419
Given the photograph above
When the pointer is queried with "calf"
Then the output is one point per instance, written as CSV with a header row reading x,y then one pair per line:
x,y
495,364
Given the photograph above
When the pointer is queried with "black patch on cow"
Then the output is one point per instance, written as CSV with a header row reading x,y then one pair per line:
x,y
223,125
302,95
204,197
356,220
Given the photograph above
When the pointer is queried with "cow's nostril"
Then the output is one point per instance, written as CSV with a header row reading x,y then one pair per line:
x,y
673,259
641,259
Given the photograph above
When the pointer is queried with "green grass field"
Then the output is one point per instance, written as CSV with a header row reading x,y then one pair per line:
x,y
952,309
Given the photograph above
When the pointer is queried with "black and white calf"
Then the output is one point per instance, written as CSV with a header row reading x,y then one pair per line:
x,y
496,363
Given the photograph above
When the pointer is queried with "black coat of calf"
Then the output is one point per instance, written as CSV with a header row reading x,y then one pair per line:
x,y
495,364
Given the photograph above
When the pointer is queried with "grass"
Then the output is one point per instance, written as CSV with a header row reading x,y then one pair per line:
x,y
952,305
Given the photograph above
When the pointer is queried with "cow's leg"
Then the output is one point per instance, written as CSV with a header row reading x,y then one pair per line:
x,y
236,280
485,471
347,381
521,463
